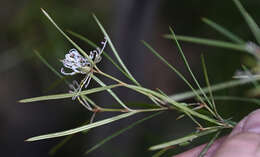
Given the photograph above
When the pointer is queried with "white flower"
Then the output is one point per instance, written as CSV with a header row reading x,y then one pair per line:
x,y
74,61
79,64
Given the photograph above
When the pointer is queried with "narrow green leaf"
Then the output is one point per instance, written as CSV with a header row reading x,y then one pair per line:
x,y
166,62
65,35
194,120
55,83
234,98
223,31
160,91
67,95
63,142
50,66
82,128
213,106
114,50
105,140
184,144
183,139
59,145
191,73
160,153
90,101
216,87
211,42
206,148
180,106
169,65
47,64
111,92
250,21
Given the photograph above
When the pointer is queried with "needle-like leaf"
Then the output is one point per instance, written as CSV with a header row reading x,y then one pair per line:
x,y
183,139
250,21
65,35
211,42
67,95
105,140
191,73
111,92
82,128
114,50
223,31
216,87
206,148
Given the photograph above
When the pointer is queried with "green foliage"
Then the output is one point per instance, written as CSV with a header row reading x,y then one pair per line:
x,y
105,140
82,128
162,102
68,95
184,139
206,148
223,31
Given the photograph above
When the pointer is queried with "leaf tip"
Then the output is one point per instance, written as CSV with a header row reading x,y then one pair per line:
x,y
43,11
142,41
170,27
151,148
94,16
28,140
22,101
203,18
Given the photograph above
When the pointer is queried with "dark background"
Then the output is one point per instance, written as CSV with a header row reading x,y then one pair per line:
x,y
24,28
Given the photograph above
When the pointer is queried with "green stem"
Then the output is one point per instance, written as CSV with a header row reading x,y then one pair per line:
x,y
148,92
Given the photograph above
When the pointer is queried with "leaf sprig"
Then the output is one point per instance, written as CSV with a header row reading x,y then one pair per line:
x,y
161,101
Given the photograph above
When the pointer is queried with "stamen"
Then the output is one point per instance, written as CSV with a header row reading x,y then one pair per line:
x,y
104,45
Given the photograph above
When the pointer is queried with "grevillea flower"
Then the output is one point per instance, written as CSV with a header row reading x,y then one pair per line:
x,y
81,65
76,62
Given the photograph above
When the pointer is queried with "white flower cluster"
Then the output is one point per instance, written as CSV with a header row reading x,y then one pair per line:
x,y
81,65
